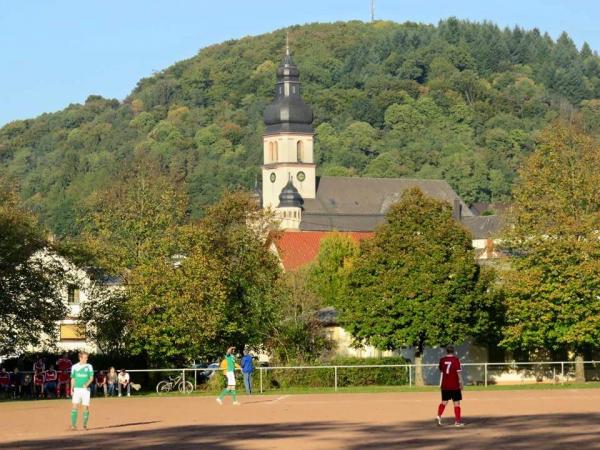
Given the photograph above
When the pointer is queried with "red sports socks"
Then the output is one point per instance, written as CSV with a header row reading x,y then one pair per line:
x,y
441,409
457,414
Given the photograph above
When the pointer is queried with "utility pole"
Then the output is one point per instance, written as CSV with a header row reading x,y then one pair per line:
x,y
372,10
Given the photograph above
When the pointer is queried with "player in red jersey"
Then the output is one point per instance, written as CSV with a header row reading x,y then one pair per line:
x,y
451,385
64,365
50,379
39,379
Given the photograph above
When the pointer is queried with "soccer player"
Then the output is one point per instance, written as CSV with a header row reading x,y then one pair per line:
x,y
451,384
64,365
82,375
38,383
230,365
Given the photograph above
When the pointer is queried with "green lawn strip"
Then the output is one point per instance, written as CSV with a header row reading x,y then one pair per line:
x,y
360,390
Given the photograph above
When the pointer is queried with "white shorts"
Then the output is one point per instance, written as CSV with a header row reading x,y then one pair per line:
x,y
81,395
230,378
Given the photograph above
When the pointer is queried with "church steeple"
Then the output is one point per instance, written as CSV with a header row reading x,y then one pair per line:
x,y
288,112
289,171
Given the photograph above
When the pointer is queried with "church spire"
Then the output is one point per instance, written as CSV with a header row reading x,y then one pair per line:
x,y
288,112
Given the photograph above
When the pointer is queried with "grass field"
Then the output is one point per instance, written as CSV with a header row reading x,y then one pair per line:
x,y
549,418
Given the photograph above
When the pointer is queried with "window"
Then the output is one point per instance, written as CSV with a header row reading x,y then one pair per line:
x,y
73,295
71,332
300,151
273,151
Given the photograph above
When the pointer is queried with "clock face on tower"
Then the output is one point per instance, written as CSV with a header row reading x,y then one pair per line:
x,y
272,177
301,176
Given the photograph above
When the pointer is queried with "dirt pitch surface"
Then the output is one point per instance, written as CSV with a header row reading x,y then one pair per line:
x,y
526,419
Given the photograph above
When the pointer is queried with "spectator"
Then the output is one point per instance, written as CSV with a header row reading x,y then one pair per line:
x,y
247,369
64,364
124,382
39,365
38,384
4,382
16,380
100,383
26,387
111,381
50,382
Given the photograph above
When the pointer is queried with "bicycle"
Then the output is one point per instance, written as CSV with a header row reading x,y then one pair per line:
x,y
174,383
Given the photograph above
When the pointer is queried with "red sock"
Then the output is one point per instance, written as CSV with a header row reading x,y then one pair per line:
x,y
457,414
441,409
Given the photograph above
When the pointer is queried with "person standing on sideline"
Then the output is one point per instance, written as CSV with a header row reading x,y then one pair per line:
x,y
229,366
82,375
64,365
247,369
451,384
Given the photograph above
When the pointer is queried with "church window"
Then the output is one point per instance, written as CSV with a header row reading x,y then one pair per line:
x,y
300,151
273,157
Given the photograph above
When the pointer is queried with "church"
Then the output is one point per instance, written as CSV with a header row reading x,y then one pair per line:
x,y
310,206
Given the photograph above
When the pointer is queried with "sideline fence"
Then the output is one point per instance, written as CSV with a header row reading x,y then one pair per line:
x,y
273,378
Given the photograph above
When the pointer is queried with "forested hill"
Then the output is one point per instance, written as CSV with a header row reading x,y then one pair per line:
x,y
460,101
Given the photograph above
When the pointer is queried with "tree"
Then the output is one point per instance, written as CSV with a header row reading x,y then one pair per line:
x,y
328,274
416,282
105,317
122,224
299,337
552,293
212,284
32,279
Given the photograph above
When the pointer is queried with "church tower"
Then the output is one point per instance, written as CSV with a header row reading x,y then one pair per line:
x,y
288,172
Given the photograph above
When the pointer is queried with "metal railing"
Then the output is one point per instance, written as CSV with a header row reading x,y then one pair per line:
x,y
339,376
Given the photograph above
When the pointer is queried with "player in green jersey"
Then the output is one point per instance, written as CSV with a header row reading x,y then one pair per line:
x,y
228,366
82,375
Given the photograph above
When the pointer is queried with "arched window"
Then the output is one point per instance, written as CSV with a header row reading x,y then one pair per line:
x,y
300,151
273,151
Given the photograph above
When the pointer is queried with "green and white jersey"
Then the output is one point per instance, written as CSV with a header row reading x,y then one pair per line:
x,y
81,373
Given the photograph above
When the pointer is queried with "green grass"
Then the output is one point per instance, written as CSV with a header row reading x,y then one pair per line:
x,y
371,390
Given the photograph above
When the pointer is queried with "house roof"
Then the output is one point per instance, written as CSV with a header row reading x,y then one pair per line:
x,y
360,204
483,227
296,249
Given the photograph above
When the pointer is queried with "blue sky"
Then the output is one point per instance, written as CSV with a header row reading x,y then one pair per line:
x,y
55,52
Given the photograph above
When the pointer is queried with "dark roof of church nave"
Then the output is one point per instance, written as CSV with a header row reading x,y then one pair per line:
x,y
360,204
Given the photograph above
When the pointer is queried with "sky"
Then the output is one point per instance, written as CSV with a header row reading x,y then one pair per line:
x,y
57,52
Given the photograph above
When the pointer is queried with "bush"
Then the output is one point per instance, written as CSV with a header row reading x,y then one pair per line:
x,y
325,377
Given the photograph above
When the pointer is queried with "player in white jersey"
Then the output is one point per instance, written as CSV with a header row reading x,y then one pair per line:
x,y
82,375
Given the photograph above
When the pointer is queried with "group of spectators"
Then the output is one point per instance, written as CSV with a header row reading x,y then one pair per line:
x,y
54,381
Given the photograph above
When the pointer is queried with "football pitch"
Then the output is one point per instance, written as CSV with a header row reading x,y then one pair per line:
x,y
520,419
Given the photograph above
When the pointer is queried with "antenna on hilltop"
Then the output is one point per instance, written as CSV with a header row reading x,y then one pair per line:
x,y
372,10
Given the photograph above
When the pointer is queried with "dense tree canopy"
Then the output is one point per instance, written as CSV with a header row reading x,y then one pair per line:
x,y
32,279
416,283
461,101
552,294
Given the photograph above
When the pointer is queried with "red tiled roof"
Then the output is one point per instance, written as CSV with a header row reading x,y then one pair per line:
x,y
298,248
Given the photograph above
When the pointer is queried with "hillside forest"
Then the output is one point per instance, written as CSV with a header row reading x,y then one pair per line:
x,y
460,101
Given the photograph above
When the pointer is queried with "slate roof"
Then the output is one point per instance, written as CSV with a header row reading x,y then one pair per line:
x,y
483,227
360,204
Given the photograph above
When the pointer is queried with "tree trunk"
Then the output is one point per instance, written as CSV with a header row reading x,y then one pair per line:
x,y
419,380
579,368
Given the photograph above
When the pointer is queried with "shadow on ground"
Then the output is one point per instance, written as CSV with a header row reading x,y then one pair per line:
x,y
549,431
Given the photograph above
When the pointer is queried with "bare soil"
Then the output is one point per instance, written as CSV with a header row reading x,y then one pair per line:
x,y
561,419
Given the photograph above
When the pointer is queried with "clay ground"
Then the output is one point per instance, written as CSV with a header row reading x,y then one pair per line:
x,y
524,419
